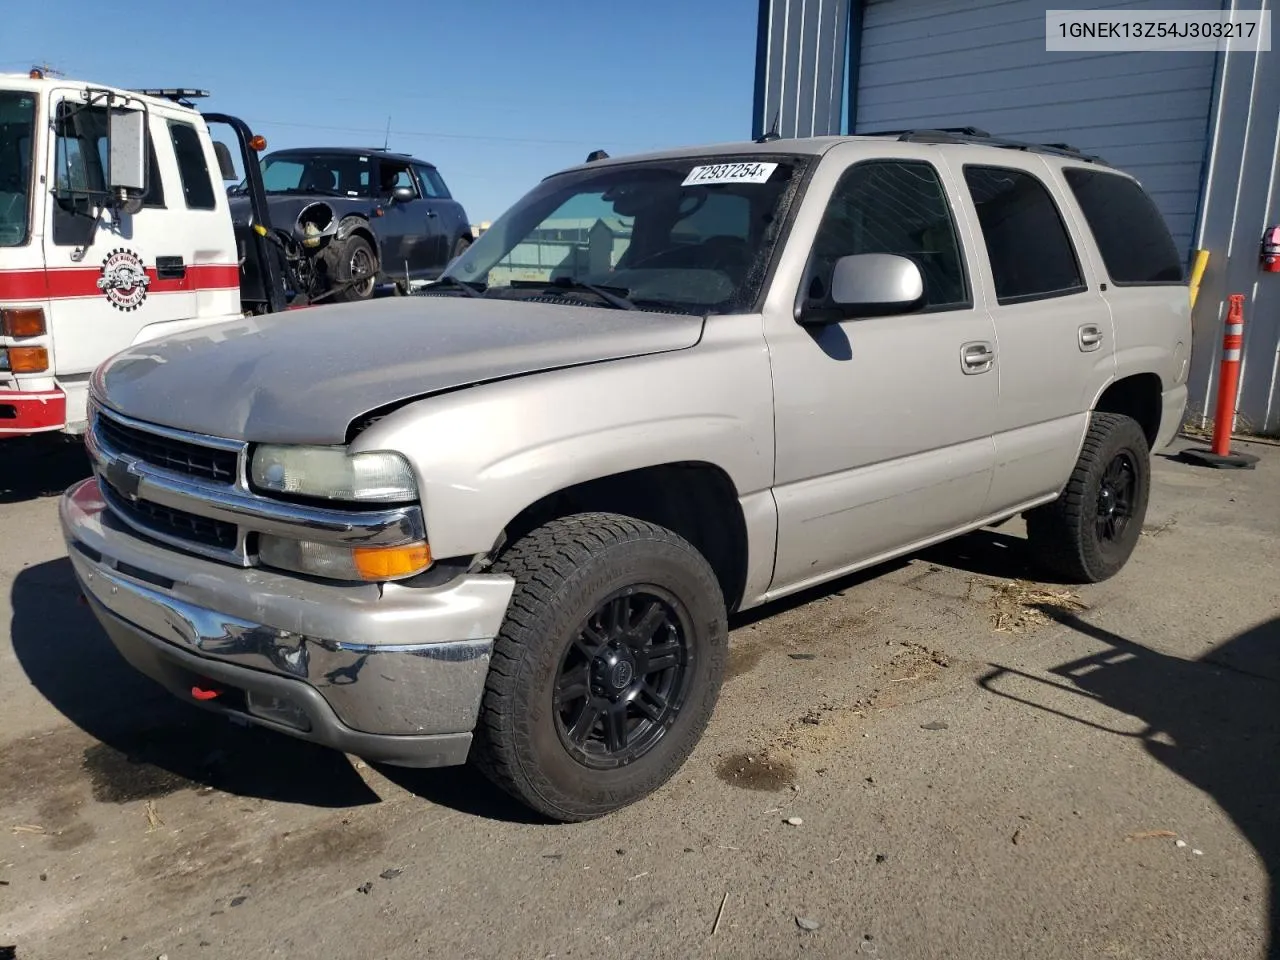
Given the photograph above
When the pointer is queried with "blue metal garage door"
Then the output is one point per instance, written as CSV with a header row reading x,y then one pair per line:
x,y
982,63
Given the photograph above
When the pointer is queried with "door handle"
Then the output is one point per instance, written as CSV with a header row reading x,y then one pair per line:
x,y
1090,337
977,357
432,213
170,268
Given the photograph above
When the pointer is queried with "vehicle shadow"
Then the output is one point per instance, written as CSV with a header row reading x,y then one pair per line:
x,y
1215,722
35,467
148,741
988,553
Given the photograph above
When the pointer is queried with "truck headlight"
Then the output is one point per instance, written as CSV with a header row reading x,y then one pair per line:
x,y
334,473
335,561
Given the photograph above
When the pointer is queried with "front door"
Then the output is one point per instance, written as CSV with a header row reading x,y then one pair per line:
x,y
883,424
168,266
409,227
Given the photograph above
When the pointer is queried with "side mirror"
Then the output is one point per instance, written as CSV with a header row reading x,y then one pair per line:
x,y
869,285
126,152
404,194
226,165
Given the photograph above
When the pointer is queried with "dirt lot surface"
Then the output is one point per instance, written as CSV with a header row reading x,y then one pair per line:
x,y
929,760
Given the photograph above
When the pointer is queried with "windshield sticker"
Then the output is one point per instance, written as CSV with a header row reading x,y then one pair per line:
x,y
729,173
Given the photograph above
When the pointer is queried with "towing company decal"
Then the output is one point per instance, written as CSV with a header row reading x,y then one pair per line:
x,y
124,279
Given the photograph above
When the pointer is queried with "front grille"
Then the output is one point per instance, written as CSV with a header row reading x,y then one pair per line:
x,y
170,522
167,453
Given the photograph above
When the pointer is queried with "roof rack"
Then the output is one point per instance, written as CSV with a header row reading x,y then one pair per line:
x,y
980,137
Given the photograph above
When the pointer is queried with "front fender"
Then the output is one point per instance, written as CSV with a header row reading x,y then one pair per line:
x,y
484,454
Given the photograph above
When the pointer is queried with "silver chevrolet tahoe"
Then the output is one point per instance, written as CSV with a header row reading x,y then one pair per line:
x,y
505,521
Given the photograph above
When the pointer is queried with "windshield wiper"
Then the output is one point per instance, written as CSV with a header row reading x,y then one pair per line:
x,y
471,290
614,296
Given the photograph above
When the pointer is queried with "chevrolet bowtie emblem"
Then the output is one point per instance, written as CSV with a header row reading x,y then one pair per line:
x,y
122,477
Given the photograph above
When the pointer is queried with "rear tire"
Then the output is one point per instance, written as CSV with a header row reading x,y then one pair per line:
x,y
607,668
1089,532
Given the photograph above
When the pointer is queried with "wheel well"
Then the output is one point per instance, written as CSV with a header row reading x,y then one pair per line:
x,y
356,226
1138,397
698,501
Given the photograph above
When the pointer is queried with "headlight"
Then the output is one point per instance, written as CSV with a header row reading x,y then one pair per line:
x,y
333,473
337,562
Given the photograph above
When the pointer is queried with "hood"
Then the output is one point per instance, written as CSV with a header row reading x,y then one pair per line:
x,y
303,376
283,209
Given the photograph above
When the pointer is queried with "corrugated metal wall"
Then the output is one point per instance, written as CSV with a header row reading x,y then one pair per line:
x,y
800,67
941,63
1241,199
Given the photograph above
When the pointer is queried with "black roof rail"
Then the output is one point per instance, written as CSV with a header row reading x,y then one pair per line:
x,y
906,134
977,137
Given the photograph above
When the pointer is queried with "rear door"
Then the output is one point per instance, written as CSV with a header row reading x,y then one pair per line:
x,y
1054,338
133,276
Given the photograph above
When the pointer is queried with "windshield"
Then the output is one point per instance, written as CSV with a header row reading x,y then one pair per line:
x,y
693,235
332,174
17,121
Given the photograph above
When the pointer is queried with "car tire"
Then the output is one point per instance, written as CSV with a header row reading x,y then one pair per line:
x,y
343,260
1089,532
580,716
460,247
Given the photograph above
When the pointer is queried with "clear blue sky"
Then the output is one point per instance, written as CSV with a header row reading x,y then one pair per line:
x,y
497,93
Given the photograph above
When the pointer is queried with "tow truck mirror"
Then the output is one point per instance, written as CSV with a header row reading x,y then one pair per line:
x,y
225,164
127,152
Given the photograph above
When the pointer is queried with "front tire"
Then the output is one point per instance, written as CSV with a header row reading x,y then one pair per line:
x,y
607,668
1089,532
352,267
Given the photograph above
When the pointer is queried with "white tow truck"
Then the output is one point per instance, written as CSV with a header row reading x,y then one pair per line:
x,y
115,229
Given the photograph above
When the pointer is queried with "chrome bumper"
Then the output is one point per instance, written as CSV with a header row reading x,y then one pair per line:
x,y
357,662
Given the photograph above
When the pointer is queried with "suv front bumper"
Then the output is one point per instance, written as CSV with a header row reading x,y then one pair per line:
x,y
387,672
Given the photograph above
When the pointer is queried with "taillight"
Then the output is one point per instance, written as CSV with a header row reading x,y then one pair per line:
x,y
22,322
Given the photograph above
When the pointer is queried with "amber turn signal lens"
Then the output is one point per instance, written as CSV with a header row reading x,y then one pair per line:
x,y
22,322
384,563
258,143
28,359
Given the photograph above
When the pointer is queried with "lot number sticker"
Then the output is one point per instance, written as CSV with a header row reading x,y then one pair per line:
x,y
729,173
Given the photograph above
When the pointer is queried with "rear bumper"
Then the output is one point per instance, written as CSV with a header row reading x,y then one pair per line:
x,y
27,412
393,674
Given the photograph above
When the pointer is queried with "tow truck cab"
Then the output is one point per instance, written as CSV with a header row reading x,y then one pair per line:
x,y
114,229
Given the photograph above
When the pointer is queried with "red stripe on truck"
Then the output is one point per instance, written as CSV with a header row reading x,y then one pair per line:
x,y
65,282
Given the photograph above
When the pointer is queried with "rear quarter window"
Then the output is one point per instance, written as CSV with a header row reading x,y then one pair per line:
x,y
197,184
1132,237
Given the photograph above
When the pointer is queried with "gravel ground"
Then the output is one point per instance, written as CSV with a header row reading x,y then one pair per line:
x,y
932,759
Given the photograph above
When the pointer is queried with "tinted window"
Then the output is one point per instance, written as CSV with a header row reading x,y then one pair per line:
x,y
1030,250
892,207
393,175
17,126
1132,237
81,150
432,185
197,185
